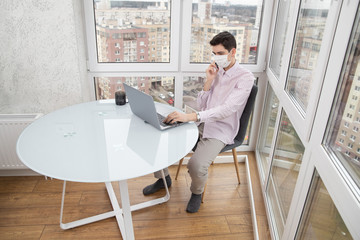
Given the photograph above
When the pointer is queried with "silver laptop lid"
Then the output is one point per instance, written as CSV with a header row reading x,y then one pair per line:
x,y
142,105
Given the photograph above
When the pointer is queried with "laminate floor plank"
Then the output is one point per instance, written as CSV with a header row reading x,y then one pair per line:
x,y
21,232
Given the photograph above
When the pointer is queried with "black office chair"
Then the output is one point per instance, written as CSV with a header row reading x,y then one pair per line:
x,y
244,121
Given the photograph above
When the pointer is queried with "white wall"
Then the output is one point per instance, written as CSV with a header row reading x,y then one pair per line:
x,y
42,56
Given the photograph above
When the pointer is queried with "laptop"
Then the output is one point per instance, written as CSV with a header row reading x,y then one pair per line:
x,y
143,106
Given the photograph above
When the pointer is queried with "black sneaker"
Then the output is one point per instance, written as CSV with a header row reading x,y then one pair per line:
x,y
158,185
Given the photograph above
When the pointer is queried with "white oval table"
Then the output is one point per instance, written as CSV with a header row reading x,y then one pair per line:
x,y
102,142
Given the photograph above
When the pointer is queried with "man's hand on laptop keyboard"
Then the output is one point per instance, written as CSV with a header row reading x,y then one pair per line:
x,y
175,117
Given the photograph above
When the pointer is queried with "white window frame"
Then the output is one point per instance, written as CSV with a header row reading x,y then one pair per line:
x,y
94,66
311,128
301,120
262,42
341,189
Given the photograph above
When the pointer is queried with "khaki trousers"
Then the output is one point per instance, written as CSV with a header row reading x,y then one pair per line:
x,y
206,151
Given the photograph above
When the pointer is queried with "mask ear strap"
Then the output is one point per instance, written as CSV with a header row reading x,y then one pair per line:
x,y
231,51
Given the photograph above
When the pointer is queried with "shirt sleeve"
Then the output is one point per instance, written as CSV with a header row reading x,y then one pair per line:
x,y
202,99
235,101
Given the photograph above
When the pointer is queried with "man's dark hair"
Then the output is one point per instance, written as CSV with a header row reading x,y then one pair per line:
x,y
224,38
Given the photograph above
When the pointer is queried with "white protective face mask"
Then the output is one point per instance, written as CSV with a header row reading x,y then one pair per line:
x,y
222,60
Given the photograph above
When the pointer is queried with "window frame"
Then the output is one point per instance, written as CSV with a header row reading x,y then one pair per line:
x,y
95,66
303,120
262,40
312,127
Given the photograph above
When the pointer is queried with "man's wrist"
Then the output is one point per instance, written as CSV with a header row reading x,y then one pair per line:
x,y
198,119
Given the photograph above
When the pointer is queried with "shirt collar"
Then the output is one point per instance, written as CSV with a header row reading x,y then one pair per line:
x,y
230,72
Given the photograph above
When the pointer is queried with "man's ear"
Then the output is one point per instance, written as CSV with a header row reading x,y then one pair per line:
x,y
233,52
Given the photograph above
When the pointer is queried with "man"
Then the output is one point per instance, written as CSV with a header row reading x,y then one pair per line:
x,y
222,101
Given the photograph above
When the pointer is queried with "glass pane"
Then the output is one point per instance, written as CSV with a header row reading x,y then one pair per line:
x,y
311,22
321,219
132,31
284,172
343,133
267,128
192,86
160,88
282,21
210,17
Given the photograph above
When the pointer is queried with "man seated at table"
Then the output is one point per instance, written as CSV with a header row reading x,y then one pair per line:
x,y
221,103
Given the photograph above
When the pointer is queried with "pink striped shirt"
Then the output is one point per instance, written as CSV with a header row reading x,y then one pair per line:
x,y
221,107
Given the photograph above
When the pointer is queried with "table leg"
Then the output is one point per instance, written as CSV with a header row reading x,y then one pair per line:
x,y
116,207
123,215
81,221
126,210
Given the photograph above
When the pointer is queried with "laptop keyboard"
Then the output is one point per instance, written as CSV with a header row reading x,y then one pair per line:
x,y
161,119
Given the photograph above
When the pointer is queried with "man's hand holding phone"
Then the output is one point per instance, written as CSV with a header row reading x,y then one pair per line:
x,y
211,73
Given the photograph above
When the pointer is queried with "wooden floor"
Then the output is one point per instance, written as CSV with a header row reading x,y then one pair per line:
x,y
30,208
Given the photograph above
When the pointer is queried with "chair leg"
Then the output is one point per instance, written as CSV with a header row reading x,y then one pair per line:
x,y
179,166
203,194
236,164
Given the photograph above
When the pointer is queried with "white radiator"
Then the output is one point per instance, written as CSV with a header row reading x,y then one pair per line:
x,y
11,126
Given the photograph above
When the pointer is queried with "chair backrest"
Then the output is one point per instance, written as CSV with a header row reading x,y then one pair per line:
x,y
244,120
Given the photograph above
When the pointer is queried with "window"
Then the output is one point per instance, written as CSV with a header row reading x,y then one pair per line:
x,y
310,28
321,219
211,17
281,27
284,172
346,89
192,86
129,27
267,129
158,87
352,137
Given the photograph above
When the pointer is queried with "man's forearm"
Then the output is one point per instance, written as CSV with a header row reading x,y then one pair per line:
x,y
207,85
